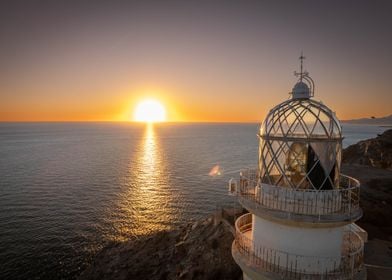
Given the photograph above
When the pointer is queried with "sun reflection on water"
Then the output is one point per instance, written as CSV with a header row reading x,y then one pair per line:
x,y
146,204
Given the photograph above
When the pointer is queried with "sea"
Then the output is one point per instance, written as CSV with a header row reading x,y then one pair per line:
x,y
67,189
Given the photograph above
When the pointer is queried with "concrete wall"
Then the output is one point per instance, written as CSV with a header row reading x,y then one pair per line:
x,y
323,242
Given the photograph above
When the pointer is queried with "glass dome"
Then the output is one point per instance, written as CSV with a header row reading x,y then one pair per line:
x,y
301,118
300,146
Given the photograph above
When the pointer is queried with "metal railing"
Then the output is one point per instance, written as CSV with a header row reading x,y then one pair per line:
x,y
335,204
292,266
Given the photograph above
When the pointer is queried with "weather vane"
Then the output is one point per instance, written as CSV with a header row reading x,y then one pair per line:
x,y
304,76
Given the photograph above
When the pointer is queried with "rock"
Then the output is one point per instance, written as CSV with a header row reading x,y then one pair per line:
x,y
198,251
375,199
185,236
195,225
375,152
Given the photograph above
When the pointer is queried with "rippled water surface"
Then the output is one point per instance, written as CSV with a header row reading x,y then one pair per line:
x,y
68,188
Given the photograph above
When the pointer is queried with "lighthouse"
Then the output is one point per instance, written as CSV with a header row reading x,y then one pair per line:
x,y
302,210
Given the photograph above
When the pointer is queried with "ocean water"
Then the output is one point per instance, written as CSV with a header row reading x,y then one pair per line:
x,y
66,189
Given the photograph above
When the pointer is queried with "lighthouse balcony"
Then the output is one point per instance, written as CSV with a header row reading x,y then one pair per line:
x,y
260,261
338,205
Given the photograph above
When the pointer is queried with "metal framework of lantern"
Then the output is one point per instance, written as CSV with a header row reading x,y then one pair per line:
x,y
300,147
302,209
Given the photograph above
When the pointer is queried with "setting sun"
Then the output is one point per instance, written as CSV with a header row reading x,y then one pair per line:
x,y
150,111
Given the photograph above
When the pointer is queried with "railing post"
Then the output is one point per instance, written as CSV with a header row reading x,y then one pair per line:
x,y
352,267
287,263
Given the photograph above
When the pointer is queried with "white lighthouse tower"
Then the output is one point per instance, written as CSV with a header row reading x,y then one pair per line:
x,y
302,210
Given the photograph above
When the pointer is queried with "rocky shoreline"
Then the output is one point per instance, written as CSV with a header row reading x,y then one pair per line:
x,y
202,250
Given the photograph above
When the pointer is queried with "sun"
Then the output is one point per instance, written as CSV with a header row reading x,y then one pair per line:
x,y
150,110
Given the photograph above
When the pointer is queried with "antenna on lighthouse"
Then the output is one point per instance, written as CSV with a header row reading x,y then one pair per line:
x,y
302,73
301,58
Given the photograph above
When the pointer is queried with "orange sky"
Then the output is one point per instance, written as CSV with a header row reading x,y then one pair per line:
x,y
240,104
204,62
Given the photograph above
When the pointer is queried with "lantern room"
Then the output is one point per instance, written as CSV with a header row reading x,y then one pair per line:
x,y
301,142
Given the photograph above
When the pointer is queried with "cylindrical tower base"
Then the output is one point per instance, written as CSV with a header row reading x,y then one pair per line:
x,y
299,244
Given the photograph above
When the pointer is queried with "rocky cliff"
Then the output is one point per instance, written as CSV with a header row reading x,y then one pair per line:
x,y
201,250
375,152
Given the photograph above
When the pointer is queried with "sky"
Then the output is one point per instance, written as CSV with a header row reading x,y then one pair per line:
x,y
216,61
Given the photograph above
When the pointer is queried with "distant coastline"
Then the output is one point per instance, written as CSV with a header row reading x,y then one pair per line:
x,y
383,121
